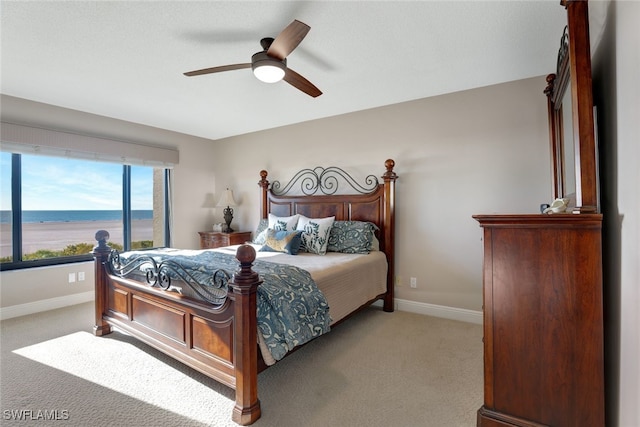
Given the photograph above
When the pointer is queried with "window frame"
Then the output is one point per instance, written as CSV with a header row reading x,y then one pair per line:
x,y
16,218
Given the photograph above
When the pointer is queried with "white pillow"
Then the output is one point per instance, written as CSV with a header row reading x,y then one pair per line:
x,y
283,223
315,233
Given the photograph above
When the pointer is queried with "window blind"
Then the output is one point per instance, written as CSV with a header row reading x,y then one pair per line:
x,y
23,139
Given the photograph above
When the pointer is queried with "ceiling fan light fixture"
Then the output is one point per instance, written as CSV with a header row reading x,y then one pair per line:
x,y
268,73
266,68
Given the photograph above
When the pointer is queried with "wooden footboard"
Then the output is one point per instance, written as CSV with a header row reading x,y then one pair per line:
x,y
220,342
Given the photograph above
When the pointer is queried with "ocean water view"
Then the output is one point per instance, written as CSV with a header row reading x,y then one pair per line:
x,y
55,230
74,216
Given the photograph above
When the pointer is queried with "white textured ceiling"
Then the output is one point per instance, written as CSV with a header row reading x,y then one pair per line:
x,y
125,59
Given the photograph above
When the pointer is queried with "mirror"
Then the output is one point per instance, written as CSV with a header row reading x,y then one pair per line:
x,y
568,153
571,125
562,116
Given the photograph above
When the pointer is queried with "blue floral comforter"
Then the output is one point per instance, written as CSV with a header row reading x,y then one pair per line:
x,y
291,308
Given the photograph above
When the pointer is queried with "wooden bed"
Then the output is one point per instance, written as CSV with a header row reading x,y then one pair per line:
x,y
221,340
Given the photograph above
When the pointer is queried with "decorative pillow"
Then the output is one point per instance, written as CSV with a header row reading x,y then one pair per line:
x,y
375,244
282,241
261,232
315,233
286,223
351,237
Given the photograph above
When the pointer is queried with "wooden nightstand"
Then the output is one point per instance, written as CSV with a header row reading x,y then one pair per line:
x,y
216,239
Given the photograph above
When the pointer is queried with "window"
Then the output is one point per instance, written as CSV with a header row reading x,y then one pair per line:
x,y
6,220
51,208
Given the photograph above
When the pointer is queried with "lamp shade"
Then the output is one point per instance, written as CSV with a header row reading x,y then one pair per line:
x,y
227,199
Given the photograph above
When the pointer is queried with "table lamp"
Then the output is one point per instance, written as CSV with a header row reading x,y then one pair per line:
x,y
226,202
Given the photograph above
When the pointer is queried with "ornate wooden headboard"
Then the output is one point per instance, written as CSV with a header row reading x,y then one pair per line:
x,y
318,195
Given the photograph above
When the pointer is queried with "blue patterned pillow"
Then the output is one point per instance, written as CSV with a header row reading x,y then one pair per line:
x,y
287,242
351,237
287,223
261,231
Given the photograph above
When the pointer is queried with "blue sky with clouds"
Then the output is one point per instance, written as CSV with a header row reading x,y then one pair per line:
x,y
51,183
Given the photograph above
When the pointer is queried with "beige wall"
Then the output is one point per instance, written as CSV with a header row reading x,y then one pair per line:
x,y
479,151
616,66
44,283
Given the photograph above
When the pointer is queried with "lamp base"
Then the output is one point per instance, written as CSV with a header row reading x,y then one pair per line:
x,y
228,217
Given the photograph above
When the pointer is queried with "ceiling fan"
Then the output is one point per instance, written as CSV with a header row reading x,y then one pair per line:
x,y
270,64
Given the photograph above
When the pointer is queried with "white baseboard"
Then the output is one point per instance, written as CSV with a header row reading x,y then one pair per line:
x,y
45,305
452,313
427,309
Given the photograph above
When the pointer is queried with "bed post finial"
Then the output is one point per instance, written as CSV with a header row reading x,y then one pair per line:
x,y
246,254
263,178
264,184
102,237
389,164
245,286
101,255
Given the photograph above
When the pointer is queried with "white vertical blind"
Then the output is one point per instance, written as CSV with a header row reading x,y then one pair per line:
x,y
32,140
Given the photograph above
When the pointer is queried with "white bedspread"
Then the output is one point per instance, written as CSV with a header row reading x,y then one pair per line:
x,y
347,280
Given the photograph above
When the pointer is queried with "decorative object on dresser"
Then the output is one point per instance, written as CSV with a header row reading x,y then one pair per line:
x,y
542,284
227,202
214,239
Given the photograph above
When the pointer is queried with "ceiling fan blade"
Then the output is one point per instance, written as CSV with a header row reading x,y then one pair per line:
x,y
217,69
299,82
288,39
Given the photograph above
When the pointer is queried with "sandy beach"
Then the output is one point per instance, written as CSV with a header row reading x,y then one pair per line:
x,y
58,235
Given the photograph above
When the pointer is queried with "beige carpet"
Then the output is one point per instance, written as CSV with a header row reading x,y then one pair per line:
x,y
376,369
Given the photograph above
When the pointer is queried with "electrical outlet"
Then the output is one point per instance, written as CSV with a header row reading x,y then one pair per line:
x,y
72,277
80,276
414,282
398,280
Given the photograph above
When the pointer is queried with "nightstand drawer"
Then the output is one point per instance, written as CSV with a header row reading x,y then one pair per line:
x,y
238,237
216,239
208,241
